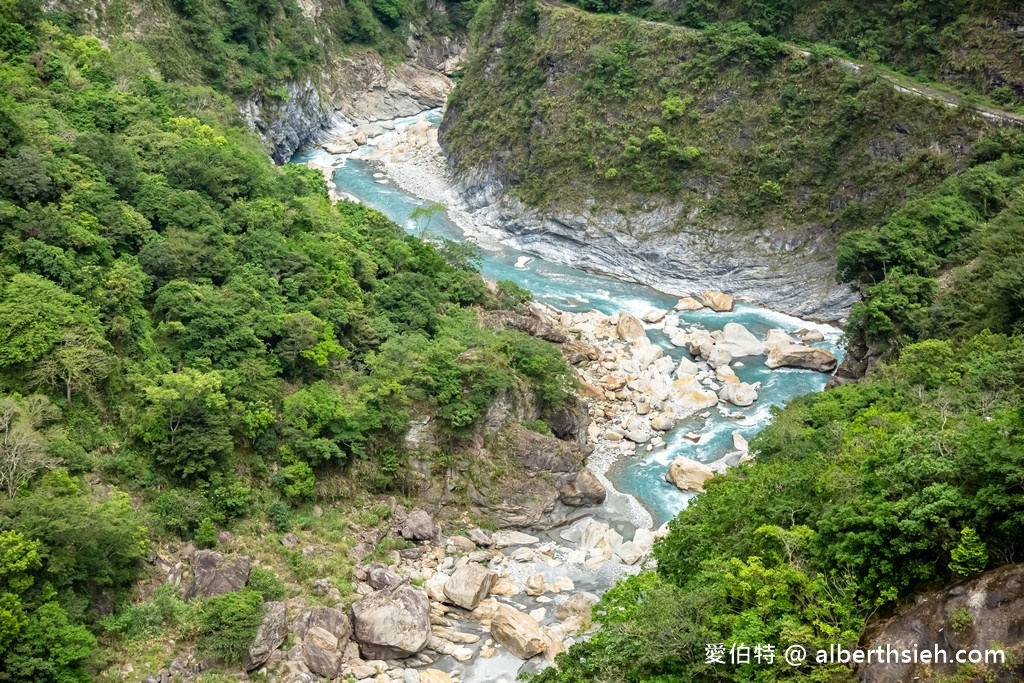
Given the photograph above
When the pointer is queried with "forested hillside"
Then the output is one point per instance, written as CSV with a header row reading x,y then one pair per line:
x,y
191,340
972,46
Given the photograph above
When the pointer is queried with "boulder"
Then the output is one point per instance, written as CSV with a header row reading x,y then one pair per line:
x,y
810,335
419,526
690,396
504,539
535,585
577,606
460,544
739,442
688,475
629,328
738,393
481,537
392,624
686,367
324,634
688,303
585,489
380,577
740,341
662,423
434,676
469,585
214,573
655,316
799,356
629,552
776,338
270,635
517,632
719,356
717,301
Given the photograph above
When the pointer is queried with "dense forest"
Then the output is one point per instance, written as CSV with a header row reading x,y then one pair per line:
x,y
190,337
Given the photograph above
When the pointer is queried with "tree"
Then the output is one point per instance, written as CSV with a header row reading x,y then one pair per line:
x,y
79,359
23,441
969,555
34,315
186,421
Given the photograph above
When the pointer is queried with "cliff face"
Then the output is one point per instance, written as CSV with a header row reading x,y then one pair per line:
x,y
688,160
290,67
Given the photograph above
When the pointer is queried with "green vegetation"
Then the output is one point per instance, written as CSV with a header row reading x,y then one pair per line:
x,y
970,45
728,125
247,47
192,340
859,497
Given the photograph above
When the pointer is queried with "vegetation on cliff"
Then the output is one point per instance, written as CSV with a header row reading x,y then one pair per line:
x,y
735,128
974,46
184,323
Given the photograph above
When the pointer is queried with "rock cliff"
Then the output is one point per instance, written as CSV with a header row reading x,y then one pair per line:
x,y
687,160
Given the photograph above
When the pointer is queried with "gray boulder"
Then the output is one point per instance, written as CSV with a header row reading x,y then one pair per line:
x,y
419,526
215,574
393,623
269,637
469,585
324,634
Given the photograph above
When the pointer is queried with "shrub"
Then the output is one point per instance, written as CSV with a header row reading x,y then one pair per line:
x,y
206,534
228,624
265,582
280,515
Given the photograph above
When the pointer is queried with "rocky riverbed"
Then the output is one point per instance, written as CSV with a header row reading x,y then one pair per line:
x,y
490,605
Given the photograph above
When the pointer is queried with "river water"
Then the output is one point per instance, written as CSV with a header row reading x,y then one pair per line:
x,y
637,477
574,290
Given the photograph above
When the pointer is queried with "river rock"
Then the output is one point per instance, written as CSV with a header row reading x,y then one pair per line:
x,y
469,585
738,393
688,303
739,442
686,367
717,301
776,338
719,356
517,632
810,335
432,676
419,526
214,573
638,436
460,544
799,356
392,624
655,316
629,552
629,328
740,341
689,395
577,607
481,537
270,635
535,585
504,539
688,475
662,423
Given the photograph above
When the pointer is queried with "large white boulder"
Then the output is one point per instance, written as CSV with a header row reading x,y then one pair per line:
x,y
688,475
518,632
740,341
469,585
799,356
717,301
